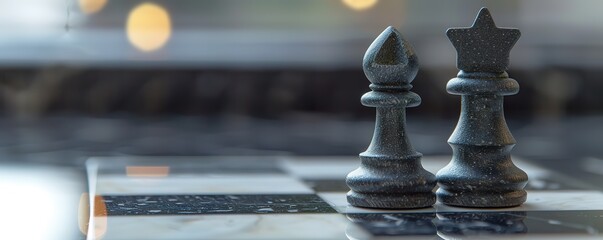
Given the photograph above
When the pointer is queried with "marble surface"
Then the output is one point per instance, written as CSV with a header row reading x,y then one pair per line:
x,y
302,198
273,226
214,204
202,183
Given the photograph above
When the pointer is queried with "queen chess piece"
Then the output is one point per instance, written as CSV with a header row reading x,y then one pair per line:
x,y
481,172
390,174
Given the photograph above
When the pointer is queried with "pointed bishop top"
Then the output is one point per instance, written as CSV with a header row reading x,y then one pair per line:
x,y
390,60
483,47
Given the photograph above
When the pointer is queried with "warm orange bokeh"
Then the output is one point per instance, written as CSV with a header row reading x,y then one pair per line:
x,y
149,27
360,4
92,6
100,216
147,171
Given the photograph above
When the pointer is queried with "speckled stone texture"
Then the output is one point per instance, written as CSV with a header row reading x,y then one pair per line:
x,y
481,173
390,174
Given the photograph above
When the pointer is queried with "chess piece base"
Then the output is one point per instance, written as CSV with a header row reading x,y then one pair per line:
x,y
389,201
482,199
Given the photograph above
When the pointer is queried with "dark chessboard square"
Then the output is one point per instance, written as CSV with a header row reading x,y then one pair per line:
x,y
586,222
214,204
481,223
511,223
589,222
395,224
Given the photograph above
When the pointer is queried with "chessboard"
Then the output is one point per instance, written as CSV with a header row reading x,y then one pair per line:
x,y
305,198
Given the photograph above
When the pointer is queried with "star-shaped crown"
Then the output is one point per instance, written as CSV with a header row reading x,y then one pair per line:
x,y
483,47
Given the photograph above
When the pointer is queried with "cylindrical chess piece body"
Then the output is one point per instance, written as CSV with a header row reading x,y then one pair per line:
x,y
390,174
481,173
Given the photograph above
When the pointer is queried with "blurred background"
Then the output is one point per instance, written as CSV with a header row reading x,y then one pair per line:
x,y
83,78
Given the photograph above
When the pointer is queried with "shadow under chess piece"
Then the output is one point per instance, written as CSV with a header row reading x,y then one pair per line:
x,y
481,173
390,174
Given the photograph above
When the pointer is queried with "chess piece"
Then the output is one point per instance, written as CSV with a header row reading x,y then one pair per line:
x,y
390,174
481,173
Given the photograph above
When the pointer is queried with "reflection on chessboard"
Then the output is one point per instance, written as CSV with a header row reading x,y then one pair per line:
x,y
304,198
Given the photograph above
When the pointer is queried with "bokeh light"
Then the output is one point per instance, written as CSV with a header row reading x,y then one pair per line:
x,y
92,6
147,171
360,5
99,219
148,27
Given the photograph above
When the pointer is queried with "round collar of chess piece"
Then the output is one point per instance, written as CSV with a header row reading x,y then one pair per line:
x,y
482,83
388,99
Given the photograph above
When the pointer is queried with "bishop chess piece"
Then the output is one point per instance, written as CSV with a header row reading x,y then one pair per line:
x,y
390,174
481,173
